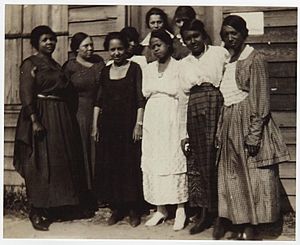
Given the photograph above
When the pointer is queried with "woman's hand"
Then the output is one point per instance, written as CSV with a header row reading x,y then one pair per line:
x,y
38,129
252,149
95,134
185,146
137,132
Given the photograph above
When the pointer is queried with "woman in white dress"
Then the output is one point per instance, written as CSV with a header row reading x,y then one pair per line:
x,y
163,162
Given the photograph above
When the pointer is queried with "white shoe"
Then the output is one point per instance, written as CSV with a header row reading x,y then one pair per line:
x,y
156,218
179,220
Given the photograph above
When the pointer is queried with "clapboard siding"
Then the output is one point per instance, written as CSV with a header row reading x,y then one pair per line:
x,y
92,13
232,9
283,85
282,69
13,19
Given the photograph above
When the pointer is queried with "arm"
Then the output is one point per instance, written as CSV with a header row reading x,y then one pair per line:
x,y
259,99
137,132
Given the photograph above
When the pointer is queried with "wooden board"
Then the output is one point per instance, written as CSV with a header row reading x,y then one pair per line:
x,y
92,13
282,69
12,178
13,19
232,9
53,15
13,58
283,102
287,170
283,85
8,163
10,119
275,35
289,135
289,186
278,52
93,28
284,118
9,134
280,18
292,151
8,149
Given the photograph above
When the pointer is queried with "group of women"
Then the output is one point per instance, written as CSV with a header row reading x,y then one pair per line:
x,y
174,121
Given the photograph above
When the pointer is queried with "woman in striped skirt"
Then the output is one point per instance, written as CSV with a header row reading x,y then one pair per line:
x,y
249,142
204,105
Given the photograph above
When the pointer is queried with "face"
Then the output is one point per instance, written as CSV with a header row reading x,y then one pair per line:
x,y
132,47
180,21
159,48
47,43
232,38
194,41
117,51
86,48
155,22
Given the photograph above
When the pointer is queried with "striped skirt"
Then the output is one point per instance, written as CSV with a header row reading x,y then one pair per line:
x,y
202,117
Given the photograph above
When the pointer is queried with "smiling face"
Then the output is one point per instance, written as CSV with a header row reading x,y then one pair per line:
x,y
47,44
232,38
117,51
159,48
86,48
194,41
156,22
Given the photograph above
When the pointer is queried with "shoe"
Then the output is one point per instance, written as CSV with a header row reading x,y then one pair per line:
x,y
134,218
39,223
180,219
249,233
220,228
115,217
200,226
156,219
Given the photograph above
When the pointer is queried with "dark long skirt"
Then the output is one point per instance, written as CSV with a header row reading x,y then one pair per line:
x,y
51,166
202,117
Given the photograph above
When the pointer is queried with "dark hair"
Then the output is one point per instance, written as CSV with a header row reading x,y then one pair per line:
x,y
115,35
131,33
37,32
77,40
237,23
165,37
185,11
194,25
161,13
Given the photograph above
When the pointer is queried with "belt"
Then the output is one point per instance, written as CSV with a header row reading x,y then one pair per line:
x,y
51,97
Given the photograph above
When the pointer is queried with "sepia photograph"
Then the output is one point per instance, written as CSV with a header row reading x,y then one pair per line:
x,y
169,122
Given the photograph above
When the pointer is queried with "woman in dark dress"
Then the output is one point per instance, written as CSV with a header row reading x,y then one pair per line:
x,y
48,153
84,72
119,111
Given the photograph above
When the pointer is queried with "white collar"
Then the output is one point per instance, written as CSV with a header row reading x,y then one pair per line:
x,y
246,52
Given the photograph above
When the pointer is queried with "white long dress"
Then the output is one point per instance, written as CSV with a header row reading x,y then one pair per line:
x,y
163,163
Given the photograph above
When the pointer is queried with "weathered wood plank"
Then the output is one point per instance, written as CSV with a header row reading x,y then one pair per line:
x,y
9,134
13,56
287,170
234,9
10,119
292,151
275,35
282,69
289,186
283,102
280,18
98,43
52,15
283,85
8,149
92,13
12,178
93,28
8,163
289,135
278,52
13,18
284,118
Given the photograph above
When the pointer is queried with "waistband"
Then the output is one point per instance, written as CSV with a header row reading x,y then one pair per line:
x,y
203,87
49,97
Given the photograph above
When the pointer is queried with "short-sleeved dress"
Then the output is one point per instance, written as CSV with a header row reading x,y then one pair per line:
x,y
52,166
85,80
117,173
248,186
163,162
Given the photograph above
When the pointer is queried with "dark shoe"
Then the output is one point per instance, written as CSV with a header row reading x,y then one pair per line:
x,y
220,228
200,226
134,218
115,217
249,233
39,223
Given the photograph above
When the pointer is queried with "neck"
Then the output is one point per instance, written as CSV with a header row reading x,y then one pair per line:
x,y
44,55
82,61
164,60
235,54
120,64
199,54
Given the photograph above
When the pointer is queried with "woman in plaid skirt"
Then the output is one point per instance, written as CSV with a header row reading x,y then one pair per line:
x,y
204,105
249,143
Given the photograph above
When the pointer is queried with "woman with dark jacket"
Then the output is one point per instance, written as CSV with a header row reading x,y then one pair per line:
x,y
47,152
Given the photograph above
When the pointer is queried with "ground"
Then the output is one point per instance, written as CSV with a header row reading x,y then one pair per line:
x,y
96,228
